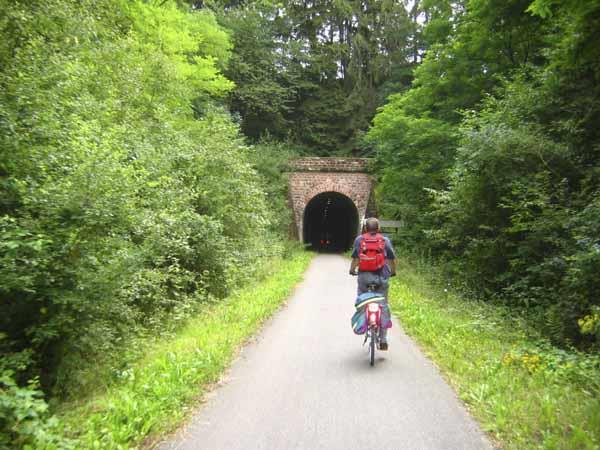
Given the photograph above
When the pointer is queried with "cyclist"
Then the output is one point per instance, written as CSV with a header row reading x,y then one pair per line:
x,y
370,272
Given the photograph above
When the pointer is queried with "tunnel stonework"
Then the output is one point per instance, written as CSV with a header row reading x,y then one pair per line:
x,y
310,177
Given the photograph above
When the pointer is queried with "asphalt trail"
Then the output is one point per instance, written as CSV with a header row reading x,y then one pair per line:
x,y
305,383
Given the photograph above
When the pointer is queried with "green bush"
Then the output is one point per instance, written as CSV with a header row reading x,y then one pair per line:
x,y
24,418
128,196
521,214
491,158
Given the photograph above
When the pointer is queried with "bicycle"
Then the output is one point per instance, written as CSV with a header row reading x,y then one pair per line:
x,y
373,312
373,334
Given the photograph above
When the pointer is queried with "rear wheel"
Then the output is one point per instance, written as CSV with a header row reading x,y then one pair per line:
x,y
372,347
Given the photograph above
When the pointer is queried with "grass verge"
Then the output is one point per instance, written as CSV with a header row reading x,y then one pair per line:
x,y
524,392
158,392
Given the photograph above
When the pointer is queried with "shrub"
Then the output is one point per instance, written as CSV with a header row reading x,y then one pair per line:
x,y
128,196
24,418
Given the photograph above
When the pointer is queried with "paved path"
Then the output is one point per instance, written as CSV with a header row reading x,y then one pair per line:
x,y
306,384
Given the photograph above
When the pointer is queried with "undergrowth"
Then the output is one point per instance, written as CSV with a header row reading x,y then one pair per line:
x,y
525,392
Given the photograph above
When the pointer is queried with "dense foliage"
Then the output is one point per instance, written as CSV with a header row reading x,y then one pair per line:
x,y
492,157
128,197
314,72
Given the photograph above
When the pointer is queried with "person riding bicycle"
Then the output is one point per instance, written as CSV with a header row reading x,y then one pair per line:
x,y
375,272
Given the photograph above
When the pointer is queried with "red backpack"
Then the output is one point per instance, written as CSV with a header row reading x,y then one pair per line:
x,y
371,255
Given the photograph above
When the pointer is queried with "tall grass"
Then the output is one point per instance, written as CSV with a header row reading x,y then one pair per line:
x,y
526,393
158,392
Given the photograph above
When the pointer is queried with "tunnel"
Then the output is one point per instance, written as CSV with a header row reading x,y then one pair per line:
x,y
330,222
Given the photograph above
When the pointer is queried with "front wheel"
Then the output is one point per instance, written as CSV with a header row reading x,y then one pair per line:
x,y
372,348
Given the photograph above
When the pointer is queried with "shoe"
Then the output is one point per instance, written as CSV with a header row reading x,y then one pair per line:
x,y
383,346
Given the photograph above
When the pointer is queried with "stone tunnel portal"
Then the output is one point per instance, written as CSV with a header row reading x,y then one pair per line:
x,y
328,197
330,222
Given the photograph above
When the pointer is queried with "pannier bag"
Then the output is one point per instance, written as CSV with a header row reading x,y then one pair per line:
x,y
359,318
371,254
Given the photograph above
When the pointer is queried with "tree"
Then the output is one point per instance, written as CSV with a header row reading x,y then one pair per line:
x,y
315,71
416,131
492,157
121,205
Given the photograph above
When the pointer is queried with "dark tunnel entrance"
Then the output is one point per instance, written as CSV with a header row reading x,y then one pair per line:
x,y
330,222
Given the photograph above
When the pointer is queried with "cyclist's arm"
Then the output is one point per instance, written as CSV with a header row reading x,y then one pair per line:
x,y
392,265
353,265
390,256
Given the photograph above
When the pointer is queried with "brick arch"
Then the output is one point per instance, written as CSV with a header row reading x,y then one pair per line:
x,y
328,185
314,176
